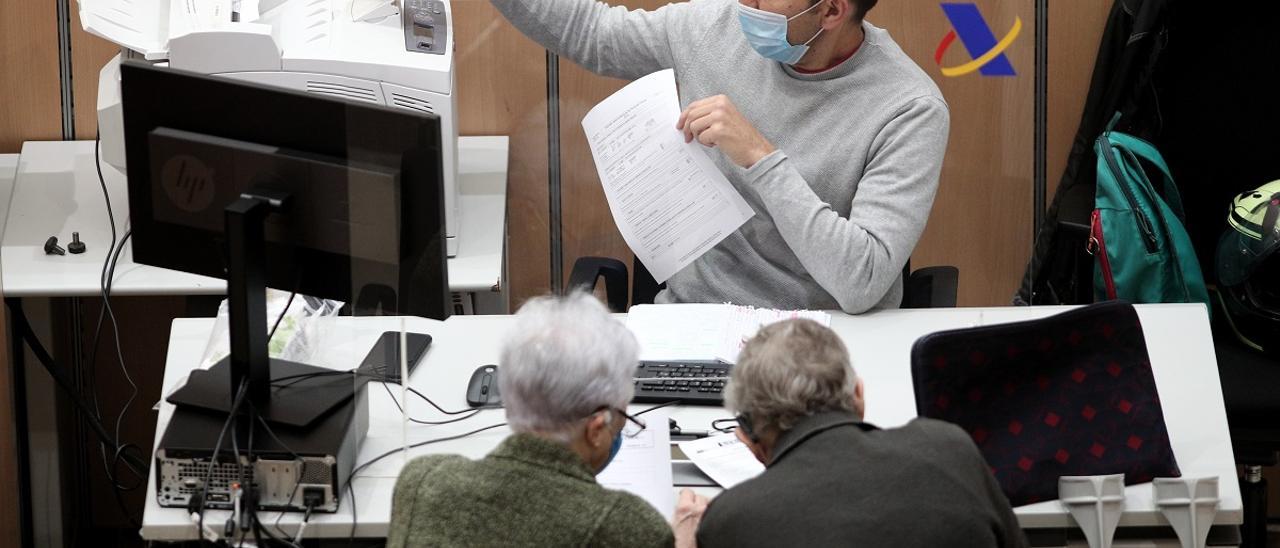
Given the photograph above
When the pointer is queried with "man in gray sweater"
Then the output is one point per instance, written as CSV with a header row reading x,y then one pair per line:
x,y
832,134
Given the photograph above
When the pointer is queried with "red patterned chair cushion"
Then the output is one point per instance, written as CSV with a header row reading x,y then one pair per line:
x,y
1067,395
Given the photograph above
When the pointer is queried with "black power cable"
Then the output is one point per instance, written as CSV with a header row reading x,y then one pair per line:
x,y
110,466
287,304
217,448
468,414
23,331
267,427
280,382
250,505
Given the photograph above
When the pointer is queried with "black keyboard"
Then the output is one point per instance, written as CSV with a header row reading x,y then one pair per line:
x,y
696,383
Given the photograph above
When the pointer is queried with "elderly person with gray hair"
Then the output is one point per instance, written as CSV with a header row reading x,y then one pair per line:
x,y
831,479
566,379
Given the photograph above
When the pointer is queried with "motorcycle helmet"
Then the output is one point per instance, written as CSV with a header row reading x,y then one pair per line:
x,y
1248,268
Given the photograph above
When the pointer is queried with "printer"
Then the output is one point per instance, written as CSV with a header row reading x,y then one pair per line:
x,y
397,53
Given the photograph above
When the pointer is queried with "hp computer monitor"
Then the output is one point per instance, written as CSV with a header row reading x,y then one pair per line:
x,y
273,188
364,218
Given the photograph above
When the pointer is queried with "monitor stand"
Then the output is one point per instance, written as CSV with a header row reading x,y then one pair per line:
x,y
305,398
299,393
310,399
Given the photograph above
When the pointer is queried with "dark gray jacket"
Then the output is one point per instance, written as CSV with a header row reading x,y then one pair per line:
x,y
835,481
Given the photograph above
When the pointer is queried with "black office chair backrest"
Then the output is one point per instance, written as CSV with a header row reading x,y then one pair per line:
x,y
1072,394
644,289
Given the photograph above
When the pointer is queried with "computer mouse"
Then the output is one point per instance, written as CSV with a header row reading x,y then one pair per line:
x,y
482,391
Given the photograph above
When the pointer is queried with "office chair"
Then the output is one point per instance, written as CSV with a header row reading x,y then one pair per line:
x,y
929,287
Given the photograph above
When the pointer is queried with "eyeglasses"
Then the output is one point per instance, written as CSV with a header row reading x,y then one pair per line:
x,y
632,428
741,420
724,425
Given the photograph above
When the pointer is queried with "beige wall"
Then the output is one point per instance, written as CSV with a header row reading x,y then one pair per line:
x,y
981,219
29,69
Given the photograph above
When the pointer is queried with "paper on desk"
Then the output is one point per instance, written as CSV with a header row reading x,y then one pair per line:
x,y
678,331
723,458
705,332
643,465
669,200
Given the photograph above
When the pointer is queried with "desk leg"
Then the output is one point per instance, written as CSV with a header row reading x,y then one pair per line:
x,y
18,369
76,455
1253,493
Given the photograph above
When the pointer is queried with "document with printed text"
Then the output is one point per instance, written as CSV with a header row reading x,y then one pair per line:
x,y
643,465
670,201
723,458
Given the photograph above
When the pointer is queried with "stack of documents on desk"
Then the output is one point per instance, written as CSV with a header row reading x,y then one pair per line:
x,y
703,332
670,201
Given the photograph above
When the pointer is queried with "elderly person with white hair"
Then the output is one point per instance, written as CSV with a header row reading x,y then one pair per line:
x,y
565,375
831,479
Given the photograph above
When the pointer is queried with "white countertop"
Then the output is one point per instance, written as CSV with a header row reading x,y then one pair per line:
x,y
56,192
1178,340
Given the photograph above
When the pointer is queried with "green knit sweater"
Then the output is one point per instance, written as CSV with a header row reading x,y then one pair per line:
x,y
528,492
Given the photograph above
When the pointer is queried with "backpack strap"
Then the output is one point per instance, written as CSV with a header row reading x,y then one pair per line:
x,y
1137,149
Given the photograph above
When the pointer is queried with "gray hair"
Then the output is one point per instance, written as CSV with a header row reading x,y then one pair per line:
x,y
564,359
788,371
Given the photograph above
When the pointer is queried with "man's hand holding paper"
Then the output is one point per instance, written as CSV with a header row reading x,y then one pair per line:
x,y
716,122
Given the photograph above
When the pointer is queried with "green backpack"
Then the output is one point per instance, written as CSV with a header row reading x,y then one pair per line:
x,y
1143,252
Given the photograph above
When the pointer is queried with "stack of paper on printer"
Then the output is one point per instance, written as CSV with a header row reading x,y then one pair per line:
x,y
704,332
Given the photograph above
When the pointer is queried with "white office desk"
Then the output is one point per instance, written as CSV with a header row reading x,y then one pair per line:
x,y
57,192
8,173
1177,337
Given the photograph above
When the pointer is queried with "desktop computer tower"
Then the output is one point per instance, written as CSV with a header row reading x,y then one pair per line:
x,y
286,469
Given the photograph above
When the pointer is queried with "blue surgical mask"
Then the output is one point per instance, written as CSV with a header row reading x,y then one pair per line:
x,y
767,33
613,450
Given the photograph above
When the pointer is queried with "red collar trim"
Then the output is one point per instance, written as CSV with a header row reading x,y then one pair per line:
x,y
833,65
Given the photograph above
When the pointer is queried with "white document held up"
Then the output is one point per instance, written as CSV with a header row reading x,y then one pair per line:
x,y
707,332
669,200
723,458
643,465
